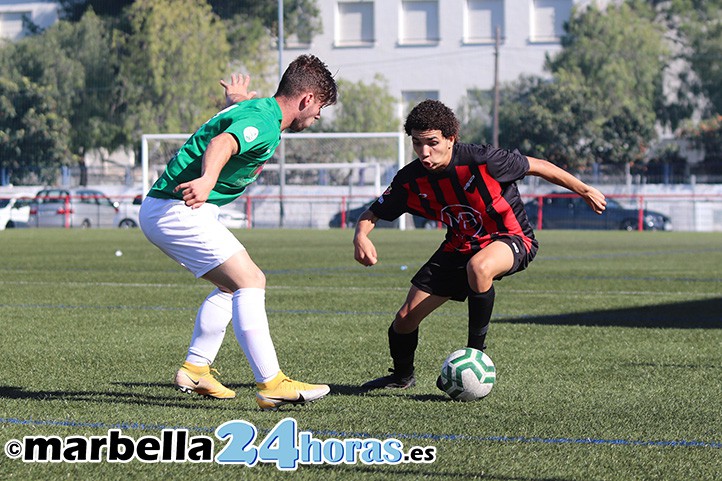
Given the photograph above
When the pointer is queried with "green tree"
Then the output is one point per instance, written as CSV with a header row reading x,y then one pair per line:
x,y
37,84
96,112
365,107
698,24
550,120
74,10
300,17
173,58
361,107
33,137
600,105
252,52
475,115
75,64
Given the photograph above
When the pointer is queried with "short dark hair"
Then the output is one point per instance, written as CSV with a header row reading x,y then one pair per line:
x,y
432,115
308,73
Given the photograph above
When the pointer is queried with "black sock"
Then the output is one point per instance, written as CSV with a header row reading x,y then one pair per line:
x,y
480,306
403,347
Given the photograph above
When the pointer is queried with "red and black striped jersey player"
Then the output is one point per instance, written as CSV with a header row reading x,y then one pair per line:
x,y
472,190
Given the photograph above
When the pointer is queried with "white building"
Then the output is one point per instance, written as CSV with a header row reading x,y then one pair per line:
x,y
424,48
436,49
12,12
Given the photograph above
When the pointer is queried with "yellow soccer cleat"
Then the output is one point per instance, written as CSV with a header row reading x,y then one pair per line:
x,y
281,390
199,379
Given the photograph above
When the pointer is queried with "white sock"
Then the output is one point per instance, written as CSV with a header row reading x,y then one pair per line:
x,y
250,325
211,322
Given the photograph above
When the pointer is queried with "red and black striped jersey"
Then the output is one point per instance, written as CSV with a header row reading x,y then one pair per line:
x,y
476,197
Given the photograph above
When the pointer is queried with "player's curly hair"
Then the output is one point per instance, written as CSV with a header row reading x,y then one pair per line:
x,y
432,115
308,72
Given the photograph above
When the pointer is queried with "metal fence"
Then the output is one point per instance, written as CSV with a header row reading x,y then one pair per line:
x,y
683,212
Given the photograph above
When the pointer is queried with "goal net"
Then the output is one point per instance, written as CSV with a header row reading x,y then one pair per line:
x,y
311,178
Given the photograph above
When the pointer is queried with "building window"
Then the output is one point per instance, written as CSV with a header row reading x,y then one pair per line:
x,y
419,22
355,24
548,17
481,19
11,24
293,42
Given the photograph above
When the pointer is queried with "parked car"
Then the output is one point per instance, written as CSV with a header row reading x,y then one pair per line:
x,y
14,211
564,211
352,216
233,218
80,207
127,216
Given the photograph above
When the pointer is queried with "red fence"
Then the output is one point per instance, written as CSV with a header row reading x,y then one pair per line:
x,y
685,212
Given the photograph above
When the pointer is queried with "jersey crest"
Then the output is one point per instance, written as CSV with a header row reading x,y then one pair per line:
x,y
464,219
250,134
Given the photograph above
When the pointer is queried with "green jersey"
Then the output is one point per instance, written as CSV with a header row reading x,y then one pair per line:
x,y
256,126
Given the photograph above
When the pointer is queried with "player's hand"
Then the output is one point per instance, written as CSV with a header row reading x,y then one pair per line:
x,y
195,192
595,199
364,251
237,89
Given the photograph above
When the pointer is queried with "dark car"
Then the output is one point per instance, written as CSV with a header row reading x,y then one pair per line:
x,y
352,216
565,211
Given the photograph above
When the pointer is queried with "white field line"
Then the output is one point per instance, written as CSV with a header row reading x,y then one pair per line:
x,y
205,287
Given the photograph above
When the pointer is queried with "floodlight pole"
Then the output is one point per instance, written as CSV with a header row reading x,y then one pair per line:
x,y
495,127
282,146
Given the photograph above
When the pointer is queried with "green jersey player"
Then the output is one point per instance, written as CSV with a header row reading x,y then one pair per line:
x,y
255,126
180,216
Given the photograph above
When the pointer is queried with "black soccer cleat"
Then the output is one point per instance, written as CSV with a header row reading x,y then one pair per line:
x,y
392,381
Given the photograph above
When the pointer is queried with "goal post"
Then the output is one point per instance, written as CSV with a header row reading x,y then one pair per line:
x,y
145,140
359,162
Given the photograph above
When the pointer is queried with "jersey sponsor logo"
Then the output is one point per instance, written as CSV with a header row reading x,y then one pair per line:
x,y
463,218
250,134
468,184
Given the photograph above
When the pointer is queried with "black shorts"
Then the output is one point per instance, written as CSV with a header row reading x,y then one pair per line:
x,y
444,274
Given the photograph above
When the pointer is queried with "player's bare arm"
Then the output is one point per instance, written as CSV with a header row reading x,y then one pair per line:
x,y
364,249
550,172
237,89
219,151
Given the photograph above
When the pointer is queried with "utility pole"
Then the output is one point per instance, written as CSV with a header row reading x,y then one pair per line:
x,y
495,127
280,40
282,147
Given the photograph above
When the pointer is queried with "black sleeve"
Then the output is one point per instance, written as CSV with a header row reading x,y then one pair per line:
x,y
392,203
507,166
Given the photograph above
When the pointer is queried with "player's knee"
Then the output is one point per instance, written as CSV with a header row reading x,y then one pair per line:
x,y
480,274
259,279
253,279
404,322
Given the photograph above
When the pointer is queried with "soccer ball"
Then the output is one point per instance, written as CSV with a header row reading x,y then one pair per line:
x,y
467,374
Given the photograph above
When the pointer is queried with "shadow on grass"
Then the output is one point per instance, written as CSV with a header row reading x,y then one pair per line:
x,y
172,386
172,399
346,390
700,314
386,472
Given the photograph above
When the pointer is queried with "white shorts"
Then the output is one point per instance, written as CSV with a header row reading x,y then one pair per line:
x,y
194,238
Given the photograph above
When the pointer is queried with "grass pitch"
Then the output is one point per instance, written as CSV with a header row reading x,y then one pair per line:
x,y
608,353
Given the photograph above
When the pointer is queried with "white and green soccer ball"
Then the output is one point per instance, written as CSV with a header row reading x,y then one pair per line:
x,y
467,375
